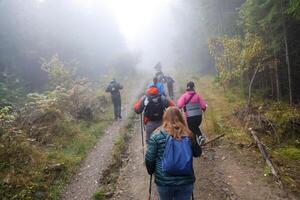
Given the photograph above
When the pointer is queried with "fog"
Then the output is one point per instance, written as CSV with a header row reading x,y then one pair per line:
x,y
99,37
148,27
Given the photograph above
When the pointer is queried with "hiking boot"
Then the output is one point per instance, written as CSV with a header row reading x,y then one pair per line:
x,y
200,140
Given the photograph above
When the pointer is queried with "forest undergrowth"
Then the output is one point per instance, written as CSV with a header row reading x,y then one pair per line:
x,y
276,124
44,140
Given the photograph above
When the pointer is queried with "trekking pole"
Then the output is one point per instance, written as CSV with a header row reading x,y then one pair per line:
x,y
150,188
142,132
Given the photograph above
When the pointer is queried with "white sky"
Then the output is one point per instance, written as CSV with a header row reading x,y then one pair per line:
x,y
145,24
137,17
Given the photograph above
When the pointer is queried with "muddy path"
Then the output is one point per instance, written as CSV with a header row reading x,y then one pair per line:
x,y
86,181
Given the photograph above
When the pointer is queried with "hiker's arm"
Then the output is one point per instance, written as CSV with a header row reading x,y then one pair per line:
x,y
120,86
163,90
181,102
202,103
167,102
196,148
150,156
170,103
139,106
107,89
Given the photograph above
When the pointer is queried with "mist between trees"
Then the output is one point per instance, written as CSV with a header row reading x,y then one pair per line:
x,y
56,56
87,39
254,40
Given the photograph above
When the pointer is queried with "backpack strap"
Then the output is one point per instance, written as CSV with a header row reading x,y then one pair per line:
x,y
167,135
188,101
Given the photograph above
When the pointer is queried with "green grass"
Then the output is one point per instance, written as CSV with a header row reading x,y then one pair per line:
x,y
99,195
35,179
218,118
289,152
74,152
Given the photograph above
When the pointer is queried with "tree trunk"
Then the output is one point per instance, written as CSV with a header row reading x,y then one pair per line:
x,y
287,58
277,82
242,82
265,155
272,82
250,88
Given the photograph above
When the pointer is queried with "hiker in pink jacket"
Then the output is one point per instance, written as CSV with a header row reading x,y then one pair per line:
x,y
193,106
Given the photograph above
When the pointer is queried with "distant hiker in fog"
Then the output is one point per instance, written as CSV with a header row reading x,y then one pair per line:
x,y
170,83
158,85
153,104
169,156
193,106
159,74
114,88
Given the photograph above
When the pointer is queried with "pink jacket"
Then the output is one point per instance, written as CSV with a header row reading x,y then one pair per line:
x,y
196,98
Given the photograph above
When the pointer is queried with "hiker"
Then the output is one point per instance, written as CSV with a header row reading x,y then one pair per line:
x,y
114,88
193,106
158,85
153,105
158,67
170,82
159,74
173,141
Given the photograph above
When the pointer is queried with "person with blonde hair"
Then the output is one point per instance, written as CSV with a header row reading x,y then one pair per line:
x,y
173,183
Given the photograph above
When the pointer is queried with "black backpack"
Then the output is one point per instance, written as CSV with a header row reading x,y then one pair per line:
x,y
114,87
155,108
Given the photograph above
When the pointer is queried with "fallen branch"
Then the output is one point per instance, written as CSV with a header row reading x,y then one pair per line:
x,y
210,141
265,155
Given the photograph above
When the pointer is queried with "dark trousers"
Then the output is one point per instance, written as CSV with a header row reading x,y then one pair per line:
x,y
194,124
170,90
117,107
150,127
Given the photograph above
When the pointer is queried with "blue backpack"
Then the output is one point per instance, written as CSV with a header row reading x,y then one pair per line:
x,y
178,157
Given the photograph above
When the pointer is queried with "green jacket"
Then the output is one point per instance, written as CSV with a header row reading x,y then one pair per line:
x,y
153,160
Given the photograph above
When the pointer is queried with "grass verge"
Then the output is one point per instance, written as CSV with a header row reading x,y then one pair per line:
x,y
75,151
34,171
110,176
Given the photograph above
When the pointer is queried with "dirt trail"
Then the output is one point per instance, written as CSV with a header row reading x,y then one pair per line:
x,y
224,174
221,173
134,180
85,182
